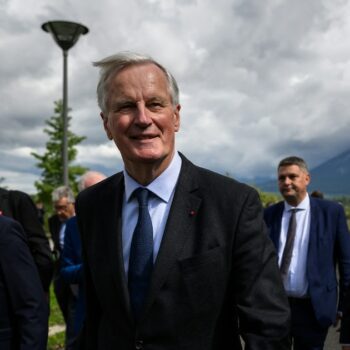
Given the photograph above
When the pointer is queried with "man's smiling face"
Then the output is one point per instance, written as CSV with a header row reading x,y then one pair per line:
x,y
141,118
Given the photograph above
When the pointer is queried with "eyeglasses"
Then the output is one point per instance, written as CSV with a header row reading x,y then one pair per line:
x,y
62,207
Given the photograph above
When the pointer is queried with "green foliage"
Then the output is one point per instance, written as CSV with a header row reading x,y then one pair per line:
x,y
51,161
55,341
268,198
345,200
56,317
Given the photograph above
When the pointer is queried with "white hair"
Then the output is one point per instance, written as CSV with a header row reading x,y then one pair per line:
x,y
63,192
90,178
111,65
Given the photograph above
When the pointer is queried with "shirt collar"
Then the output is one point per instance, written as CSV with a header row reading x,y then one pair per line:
x,y
163,186
303,205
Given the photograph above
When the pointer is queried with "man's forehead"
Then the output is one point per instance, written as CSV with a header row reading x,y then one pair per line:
x,y
62,199
138,67
290,169
146,77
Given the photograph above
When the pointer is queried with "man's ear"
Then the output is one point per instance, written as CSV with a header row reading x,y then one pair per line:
x,y
177,117
308,178
105,126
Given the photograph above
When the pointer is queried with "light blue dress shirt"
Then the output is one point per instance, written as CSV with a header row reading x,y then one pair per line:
x,y
296,283
163,188
61,234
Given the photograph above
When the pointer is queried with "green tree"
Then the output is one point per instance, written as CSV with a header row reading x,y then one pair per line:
x,y
268,198
51,161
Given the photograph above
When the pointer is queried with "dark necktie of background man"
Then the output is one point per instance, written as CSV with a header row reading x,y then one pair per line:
x,y
288,249
141,254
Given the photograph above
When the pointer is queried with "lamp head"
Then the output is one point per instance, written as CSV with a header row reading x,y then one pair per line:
x,y
66,34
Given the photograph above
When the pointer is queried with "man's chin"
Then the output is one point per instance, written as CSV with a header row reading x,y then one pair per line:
x,y
288,195
288,192
150,158
291,199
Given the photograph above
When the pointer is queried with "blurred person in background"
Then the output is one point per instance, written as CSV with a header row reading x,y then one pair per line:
x,y
317,194
72,266
63,204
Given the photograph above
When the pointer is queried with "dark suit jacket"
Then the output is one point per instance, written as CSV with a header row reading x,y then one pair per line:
x,y
215,265
61,288
19,206
329,244
72,269
23,307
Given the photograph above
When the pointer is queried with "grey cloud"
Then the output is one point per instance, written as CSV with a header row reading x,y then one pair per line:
x,y
259,80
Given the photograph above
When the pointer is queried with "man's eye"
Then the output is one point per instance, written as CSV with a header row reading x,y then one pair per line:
x,y
123,107
155,104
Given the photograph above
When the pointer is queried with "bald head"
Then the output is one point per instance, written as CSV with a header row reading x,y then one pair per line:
x,y
90,178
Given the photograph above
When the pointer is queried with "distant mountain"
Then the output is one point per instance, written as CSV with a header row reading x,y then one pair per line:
x,y
331,177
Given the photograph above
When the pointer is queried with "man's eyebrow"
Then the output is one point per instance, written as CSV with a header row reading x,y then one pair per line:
x,y
122,99
287,175
160,99
121,102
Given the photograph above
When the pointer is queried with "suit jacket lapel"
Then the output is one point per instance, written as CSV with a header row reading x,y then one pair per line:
x,y
314,220
275,229
111,211
179,228
315,238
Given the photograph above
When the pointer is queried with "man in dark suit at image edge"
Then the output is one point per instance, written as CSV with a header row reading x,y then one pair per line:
x,y
205,270
321,240
19,206
23,306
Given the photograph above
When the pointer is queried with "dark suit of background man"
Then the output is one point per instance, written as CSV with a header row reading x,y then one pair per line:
x,y
63,203
214,269
322,240
23,306
19,206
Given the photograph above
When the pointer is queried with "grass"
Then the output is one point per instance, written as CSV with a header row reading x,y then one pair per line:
x,y
56,341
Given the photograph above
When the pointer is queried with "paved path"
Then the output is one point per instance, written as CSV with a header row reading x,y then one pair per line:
x,y
56,329
332,342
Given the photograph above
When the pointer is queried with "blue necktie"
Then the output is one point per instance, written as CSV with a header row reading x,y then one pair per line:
x,y
141,254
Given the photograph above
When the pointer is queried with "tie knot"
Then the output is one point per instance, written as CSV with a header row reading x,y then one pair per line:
x,y
142,196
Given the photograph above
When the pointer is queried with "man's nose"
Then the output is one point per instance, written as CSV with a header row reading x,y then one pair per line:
x,y
142,116
287,181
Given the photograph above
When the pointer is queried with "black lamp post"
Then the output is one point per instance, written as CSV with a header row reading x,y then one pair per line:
x,y
66,34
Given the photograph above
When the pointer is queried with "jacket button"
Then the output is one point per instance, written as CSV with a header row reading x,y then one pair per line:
x,y
139,344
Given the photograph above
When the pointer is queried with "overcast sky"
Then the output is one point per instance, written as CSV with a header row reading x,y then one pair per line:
x,y
259,80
